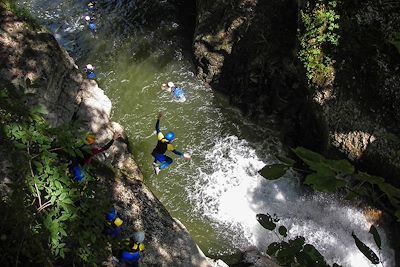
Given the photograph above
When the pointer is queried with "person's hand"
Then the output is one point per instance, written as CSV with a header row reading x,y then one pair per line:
x,y
186,156
160,114
116,135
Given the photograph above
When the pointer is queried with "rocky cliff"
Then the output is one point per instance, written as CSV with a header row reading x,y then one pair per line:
x,y
34,63
248,50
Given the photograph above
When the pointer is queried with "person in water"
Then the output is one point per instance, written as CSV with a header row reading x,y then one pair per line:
x,y
164,144
91,24
177,92
89,69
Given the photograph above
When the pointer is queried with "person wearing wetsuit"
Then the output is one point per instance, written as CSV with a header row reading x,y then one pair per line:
x,y
75,167
176,92
164,145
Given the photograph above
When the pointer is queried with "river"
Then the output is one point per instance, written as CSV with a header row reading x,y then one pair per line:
x,y
218,193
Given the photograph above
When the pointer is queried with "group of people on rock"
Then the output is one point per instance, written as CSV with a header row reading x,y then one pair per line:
x,y
132,246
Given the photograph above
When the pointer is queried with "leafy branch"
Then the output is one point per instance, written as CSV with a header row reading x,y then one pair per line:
x,y
291,252
329,175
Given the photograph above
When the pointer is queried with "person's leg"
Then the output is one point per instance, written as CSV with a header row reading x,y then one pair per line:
x,y
166,163
160,158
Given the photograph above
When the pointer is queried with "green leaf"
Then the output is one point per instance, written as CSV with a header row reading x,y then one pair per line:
x,y
365,177
365,250
341,166
273,172
62,233
64,217
376,236
325,182
79,153
53,199
38,110
67,201
286,160
282,231
57,184
297,244
313,257
62,196
273,248
266,221
392,193
308,156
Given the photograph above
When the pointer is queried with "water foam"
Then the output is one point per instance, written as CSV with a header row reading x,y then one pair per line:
x,y
230,192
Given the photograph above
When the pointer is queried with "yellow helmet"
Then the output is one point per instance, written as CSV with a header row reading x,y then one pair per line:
x,y
90,139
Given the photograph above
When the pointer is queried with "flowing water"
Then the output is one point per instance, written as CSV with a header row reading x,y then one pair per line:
x,y
218,193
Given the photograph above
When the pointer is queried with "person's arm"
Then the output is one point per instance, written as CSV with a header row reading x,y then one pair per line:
x,y
176,152
160,135
96,151
158,126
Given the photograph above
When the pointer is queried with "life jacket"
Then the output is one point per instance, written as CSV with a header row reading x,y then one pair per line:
x,y
77,173
161,147
91,75
178,92
112,219
113,224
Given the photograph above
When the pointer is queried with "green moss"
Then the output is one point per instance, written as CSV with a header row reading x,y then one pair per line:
x,y
395,40
319,26
22,14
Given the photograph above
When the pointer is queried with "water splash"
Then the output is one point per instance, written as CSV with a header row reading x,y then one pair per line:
x,y
230,192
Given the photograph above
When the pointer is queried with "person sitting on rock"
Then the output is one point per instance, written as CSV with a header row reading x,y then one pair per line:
x,y
76,166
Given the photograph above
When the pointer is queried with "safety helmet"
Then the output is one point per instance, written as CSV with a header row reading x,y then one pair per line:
x,y
89,67
92,26
170,136
90,139
171,84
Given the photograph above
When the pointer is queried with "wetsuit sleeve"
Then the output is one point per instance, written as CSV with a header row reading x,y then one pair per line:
x,y
158,126
171,148
176,152
104,148
160,135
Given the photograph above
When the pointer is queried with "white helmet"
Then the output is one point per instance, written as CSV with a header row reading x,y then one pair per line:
x,y
171,84
89,67
87,18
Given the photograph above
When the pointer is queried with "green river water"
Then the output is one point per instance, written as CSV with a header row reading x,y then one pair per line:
x,y
216,194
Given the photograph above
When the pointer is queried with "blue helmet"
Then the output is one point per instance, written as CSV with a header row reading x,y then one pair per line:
x,y
92,26
170,136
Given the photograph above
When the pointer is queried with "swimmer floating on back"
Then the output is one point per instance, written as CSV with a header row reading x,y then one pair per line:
x,y
177,92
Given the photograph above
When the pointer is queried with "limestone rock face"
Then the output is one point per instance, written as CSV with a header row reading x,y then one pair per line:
x,y
35,64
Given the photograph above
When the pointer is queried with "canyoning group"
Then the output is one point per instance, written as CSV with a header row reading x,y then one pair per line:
x,y
131,246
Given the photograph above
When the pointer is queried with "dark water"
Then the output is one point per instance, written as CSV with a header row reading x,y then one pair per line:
x,y
217,194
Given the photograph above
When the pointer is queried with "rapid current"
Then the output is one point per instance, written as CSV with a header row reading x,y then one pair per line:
x,y
218,193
